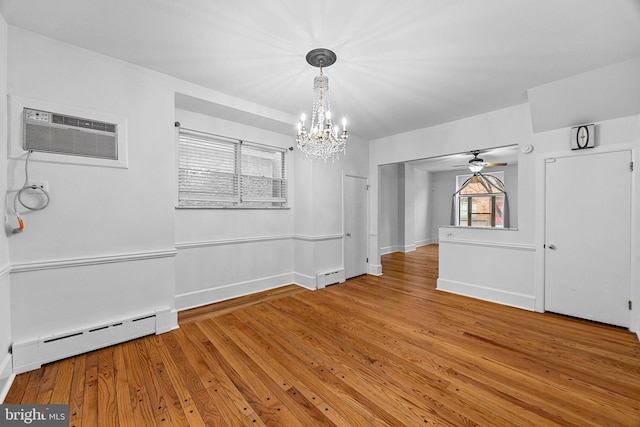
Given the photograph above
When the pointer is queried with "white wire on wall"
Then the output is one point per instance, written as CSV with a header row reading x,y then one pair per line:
x,y
18,197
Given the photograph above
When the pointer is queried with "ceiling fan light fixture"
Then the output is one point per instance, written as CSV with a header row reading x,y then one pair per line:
x,y
476,164
475,167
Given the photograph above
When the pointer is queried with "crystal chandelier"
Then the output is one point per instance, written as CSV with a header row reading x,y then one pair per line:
x,y
322,139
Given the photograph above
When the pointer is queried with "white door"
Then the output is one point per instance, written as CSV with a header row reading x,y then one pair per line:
x,y
587,237
355,226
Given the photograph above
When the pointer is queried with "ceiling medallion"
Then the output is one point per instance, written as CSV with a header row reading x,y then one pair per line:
x,y
322,139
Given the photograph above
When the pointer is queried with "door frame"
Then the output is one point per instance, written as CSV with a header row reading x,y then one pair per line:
x,y
540,223
344,218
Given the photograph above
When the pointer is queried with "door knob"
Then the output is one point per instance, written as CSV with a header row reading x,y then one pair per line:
x,y
552,247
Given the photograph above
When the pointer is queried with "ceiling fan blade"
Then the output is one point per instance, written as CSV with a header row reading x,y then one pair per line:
x,y
494,164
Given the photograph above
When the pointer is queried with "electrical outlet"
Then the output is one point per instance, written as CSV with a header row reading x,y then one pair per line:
x,y
40,183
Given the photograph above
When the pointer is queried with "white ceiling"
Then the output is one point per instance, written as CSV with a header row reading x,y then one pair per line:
x,y
460,161
402,65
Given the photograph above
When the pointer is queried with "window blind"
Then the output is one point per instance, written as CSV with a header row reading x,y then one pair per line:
x,y
218,172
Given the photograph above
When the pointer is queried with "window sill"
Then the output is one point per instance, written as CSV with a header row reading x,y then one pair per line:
x,y
223,208
460,227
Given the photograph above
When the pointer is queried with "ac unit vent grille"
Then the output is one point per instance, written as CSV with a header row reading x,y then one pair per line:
x,y
57,133
82,123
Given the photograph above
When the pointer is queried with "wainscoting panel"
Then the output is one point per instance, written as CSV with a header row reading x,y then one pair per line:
x,y
500,272
6,375
216,270
54,298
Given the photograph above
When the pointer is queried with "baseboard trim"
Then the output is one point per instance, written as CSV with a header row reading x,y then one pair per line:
x,y
6,376
391,249
512,299
375,269
307,282
426,242
404,248
202,297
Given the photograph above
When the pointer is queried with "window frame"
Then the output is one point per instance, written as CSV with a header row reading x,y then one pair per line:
x,y
226,172
468,221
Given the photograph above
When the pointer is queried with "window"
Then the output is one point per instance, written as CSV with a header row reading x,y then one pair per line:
x,y
481,203
219,172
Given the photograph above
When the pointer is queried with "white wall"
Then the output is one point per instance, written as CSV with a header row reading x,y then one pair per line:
x,y
507,266
500,266
104,247
225,252
389,207
406,209
612,135
503,127
610,98
428,198
112,244
423,208
602,94
510,252
444,185
5,295
319,210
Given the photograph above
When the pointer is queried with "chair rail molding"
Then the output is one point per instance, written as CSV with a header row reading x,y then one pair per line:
x,y
87,261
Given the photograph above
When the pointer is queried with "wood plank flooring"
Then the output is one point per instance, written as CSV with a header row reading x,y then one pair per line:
x,y
374,351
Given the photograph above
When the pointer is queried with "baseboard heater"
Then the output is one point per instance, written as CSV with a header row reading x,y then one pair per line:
x,y
30,355
330,278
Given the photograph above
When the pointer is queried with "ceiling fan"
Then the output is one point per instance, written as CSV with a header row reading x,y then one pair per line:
x,y
477,164
489,182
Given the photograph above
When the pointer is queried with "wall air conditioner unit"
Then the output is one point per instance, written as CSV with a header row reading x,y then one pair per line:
x,y
57,133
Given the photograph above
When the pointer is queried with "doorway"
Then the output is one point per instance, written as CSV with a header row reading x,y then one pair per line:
x,y
588,236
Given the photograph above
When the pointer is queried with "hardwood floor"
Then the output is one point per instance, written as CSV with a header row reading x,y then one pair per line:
x,y
374,351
